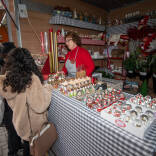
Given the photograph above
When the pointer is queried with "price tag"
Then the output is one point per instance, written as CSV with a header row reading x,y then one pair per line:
x,y
120,123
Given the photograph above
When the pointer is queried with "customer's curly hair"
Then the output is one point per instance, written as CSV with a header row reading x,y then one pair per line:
x,y
75,37
20,66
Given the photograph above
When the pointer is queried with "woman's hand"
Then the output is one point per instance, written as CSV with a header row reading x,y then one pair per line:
x,y
80,74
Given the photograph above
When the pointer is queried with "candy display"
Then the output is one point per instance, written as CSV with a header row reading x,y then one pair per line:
x,y
103,99
77,88
144,118
84,90
56,79
145,102
120,123
126,118
149,113
136,113
137,123
133,113
117,113
138,109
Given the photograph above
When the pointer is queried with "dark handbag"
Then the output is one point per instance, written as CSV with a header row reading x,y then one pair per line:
x,y
43,140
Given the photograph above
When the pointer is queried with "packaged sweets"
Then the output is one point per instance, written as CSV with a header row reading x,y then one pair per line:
x,y
144,118
138,109
137,123
117,113
133,114
150,114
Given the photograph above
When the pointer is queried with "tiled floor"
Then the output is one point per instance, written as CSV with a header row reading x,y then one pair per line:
x,y
3,142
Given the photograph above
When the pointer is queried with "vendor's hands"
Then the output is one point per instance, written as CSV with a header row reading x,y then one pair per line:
x,y
80,74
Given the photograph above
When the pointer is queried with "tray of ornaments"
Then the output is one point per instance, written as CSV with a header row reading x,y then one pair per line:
x,y
77,88
56,78
103,99
134,115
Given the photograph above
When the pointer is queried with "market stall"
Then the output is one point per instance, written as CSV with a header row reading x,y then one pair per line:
x,y
82,131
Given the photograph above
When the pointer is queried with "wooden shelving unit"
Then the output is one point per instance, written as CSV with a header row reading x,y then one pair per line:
x,y
122,29
85,41
60,20
116,58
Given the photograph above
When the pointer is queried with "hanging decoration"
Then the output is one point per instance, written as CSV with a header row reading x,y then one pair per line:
x,y
149,43
146,34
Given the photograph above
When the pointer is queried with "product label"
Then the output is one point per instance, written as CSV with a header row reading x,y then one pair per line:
x,y
120,123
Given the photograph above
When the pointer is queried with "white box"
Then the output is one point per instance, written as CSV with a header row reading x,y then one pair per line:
x,y
130,127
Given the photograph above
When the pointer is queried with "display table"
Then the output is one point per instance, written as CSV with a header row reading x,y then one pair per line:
x,y
83,132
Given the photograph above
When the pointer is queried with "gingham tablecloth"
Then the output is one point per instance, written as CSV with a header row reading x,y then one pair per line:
x,y
83,132
75,23
122,29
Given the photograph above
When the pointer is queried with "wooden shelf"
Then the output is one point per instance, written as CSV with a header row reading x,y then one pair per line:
x,y
60,39
122,29
75,23
116,73
93,42
123,79
116,58
98,58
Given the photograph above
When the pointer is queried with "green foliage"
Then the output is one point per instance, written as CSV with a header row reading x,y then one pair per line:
x,y
130,63
142,65
107,75
143,89
153,64
137,52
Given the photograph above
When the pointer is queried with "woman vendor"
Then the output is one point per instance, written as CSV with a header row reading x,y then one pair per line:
x,y
77,59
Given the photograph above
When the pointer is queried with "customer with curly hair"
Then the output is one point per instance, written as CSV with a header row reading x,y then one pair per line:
x,y
23,84
14,141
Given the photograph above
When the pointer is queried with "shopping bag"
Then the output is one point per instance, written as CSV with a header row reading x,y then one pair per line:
x,y
43,141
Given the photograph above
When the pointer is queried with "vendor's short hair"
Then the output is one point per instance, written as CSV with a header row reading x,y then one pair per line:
x,y
75,37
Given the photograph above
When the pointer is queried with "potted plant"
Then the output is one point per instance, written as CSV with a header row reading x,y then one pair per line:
x,y
142,67
130,66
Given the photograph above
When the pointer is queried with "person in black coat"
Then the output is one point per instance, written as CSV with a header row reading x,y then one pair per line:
x,y
14,141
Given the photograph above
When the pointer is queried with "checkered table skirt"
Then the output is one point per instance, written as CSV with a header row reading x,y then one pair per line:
x,y
83,132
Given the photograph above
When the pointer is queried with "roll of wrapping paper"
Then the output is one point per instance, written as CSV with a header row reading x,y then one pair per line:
x,y
108,59
52,51
50,63
42,41
46,42
56,54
